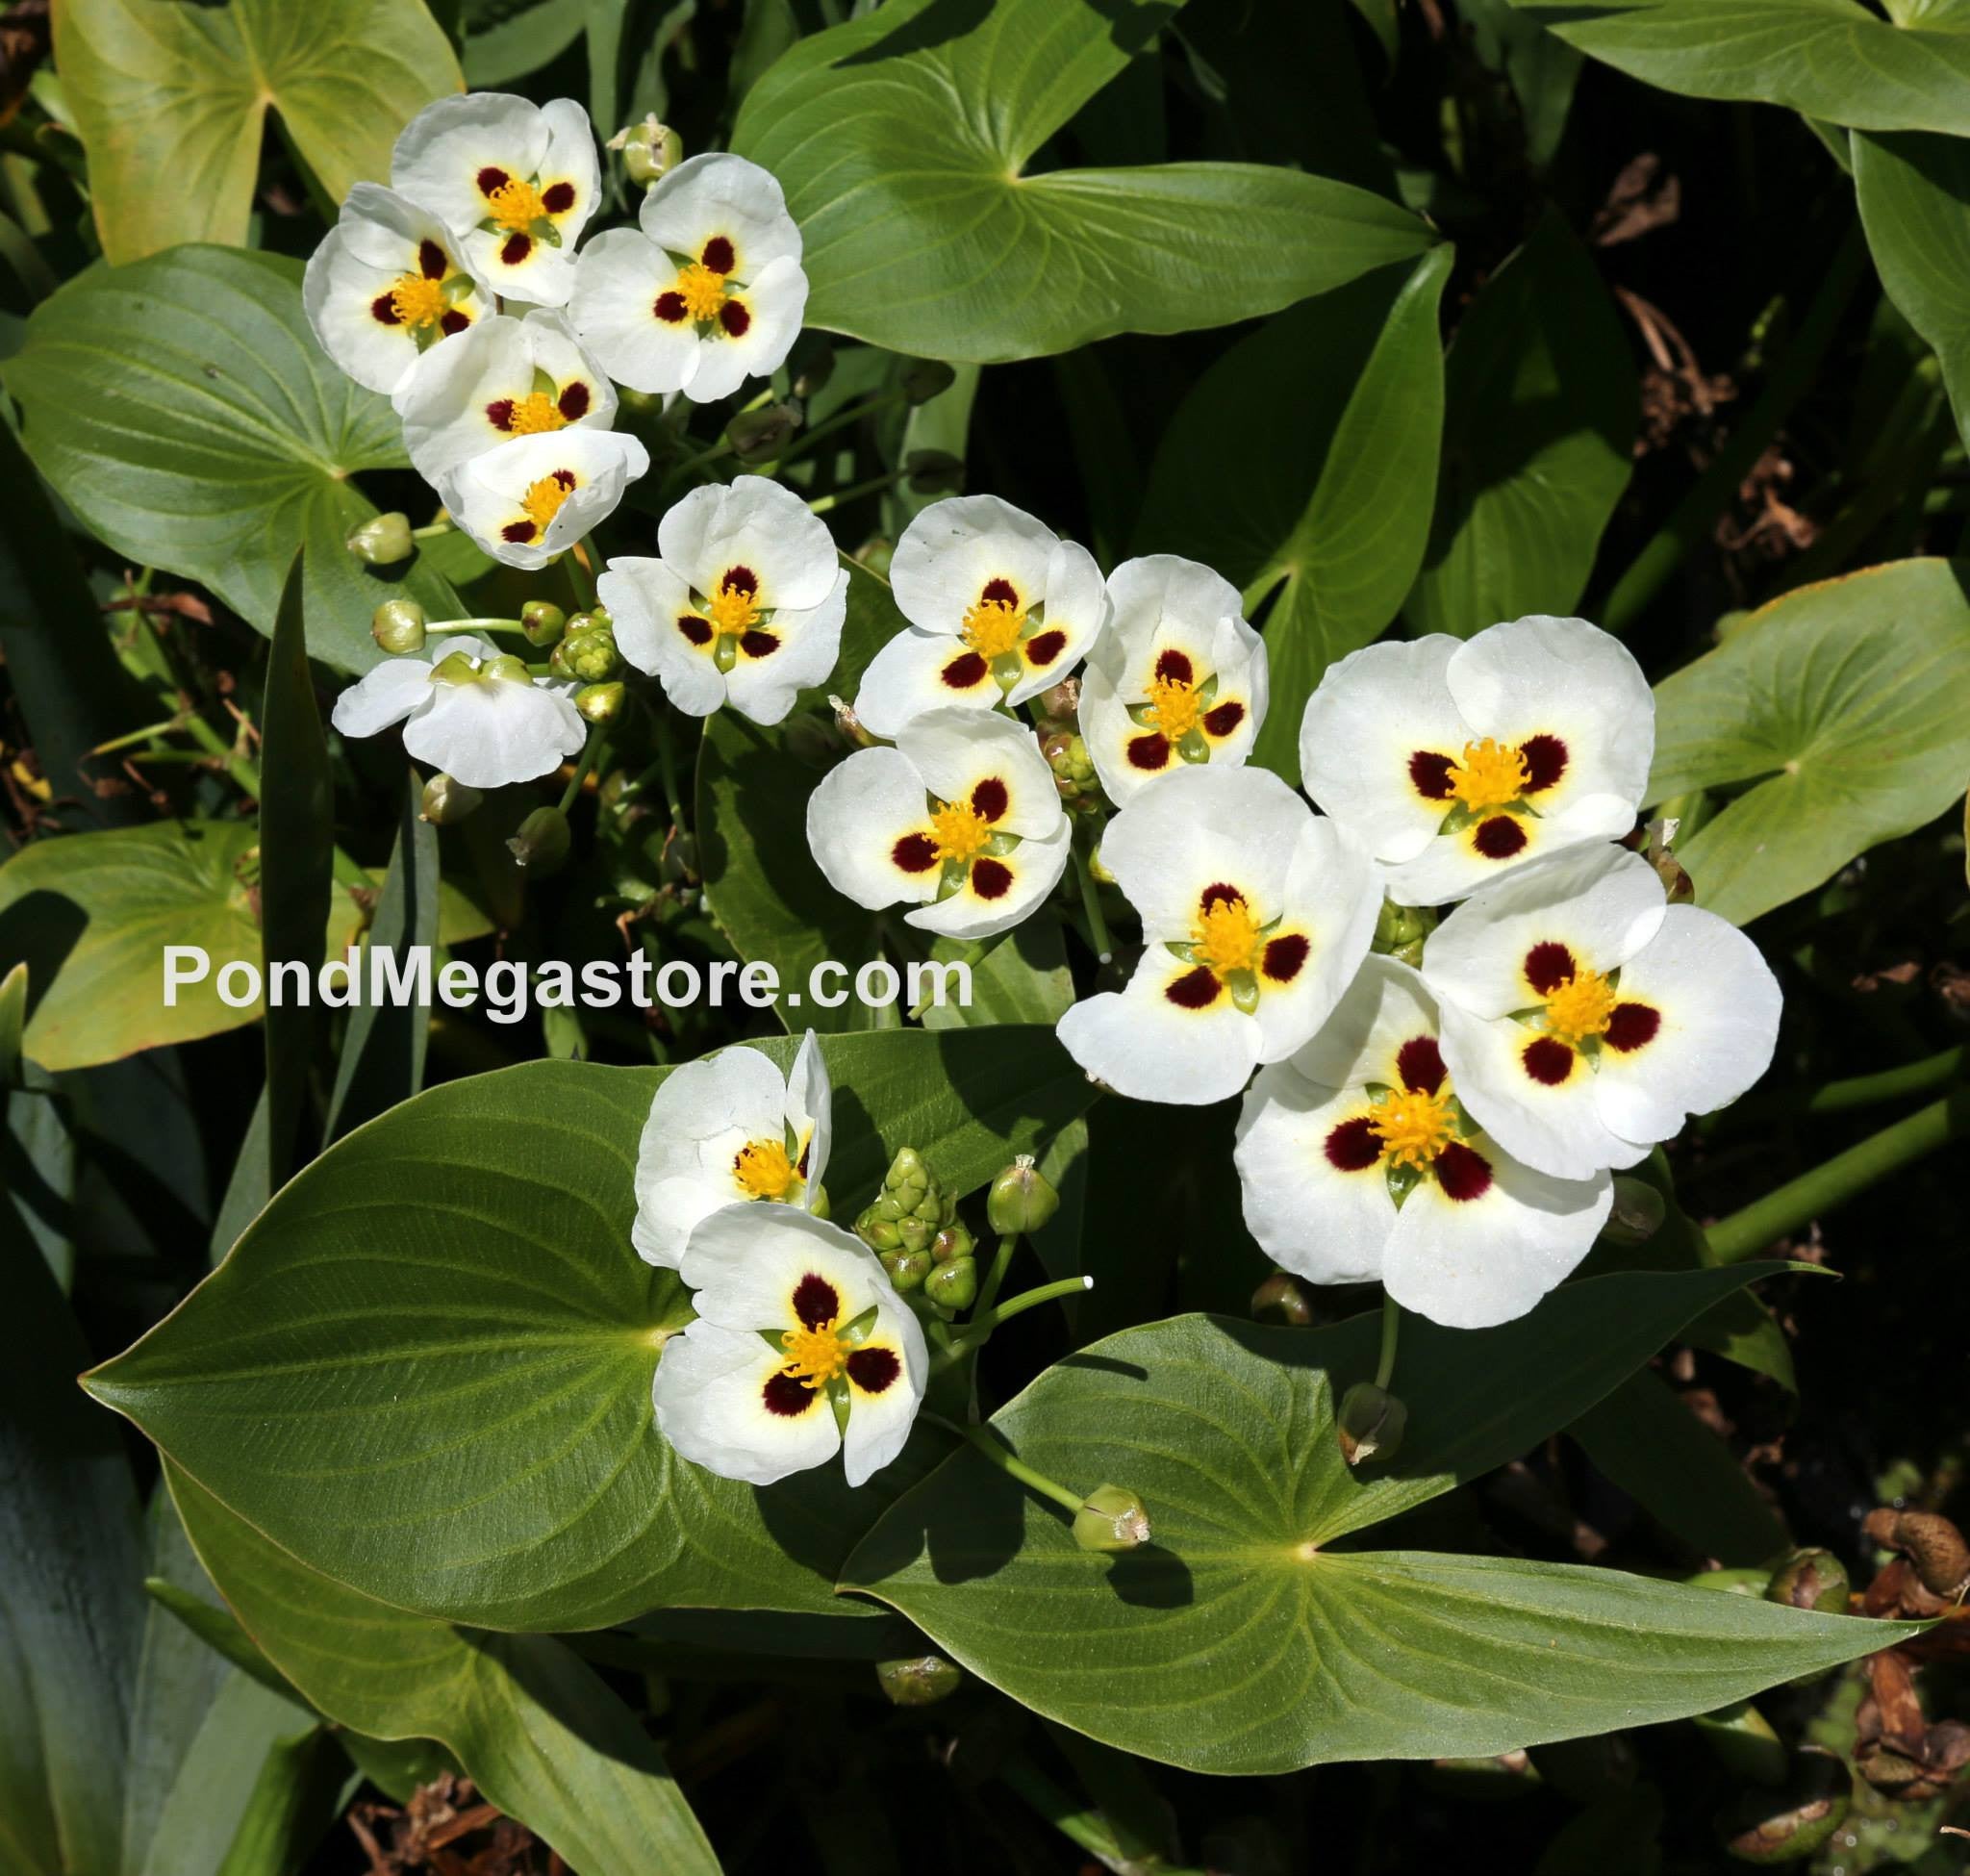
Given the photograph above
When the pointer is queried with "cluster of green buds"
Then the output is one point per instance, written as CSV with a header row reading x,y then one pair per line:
x,y
584,653
913,1227
1056,719
1400,931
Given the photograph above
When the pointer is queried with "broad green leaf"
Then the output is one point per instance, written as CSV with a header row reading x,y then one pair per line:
x,y
71,1610
1021,978
172,104
491,1455
1914,195
1241,1639
1329,512
1837,717
1673,1465
1829,58
761,882
1540,415
182,409
520,41
536,1730
296,868
72,692
902,140
294,1801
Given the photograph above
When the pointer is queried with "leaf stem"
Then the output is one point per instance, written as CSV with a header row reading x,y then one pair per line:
x,y
1391,1327
988,1321
994,1454
995,1276
1091,901
582,575
590,754
667,764
835,498
1764,1221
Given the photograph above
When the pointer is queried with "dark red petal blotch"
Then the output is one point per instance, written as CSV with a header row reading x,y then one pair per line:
x,y
1355,1146
1420,1064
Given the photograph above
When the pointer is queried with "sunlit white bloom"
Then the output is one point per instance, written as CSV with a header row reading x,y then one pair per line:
x,y
386,285
1255,915
744,604
999,608
724,1129
469,711
515,181
705,292
1584,1017
1177,678
531,498
1458,760
1358,1162
801,1349
504,378
961,816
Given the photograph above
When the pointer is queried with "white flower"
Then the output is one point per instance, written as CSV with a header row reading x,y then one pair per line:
x,y
1000,607
1456,760
962,816
801,1349
724,1129
467,711
1584,1019
515,181
504,378
385,286
1358,1162
705,294
744,605
529,499
1256,913
1178,676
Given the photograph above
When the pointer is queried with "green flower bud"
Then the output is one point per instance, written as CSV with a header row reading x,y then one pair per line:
x,y
812,362
1111,1517
920,1681
954,1285
759,436
934,472
907,1269
877,1232
446,800
542,841
917,1233
1810,1579
907,1168
398,625
455,667
542,622
382,540
1639,1209
1792,1823
649,150
953,1241
1283,1300
1397,927
601,703
1371,1424
505,669
588,654
925,378
1020,1198
817,1202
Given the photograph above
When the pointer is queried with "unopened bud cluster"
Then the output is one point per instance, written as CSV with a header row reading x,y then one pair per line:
x,y
912,1225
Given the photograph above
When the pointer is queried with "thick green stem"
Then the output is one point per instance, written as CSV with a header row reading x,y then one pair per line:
x,y
1795,372
837,498
1391,1327
592,753
666,763
582,575
992,1453
1019,1305
1091,901
995,1276
1745,1233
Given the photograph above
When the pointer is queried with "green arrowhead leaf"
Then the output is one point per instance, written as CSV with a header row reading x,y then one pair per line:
x,y
902,140
1837,717
1829,58
172,104
1304,461
1541,411
534,1727
425,1368
182,409
1240,1639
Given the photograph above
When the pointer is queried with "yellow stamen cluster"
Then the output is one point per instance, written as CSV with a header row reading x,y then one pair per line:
x,y
535,414
417,301
959,831
731,611
542,499
1414,1126
1488,775
1582,1006
1227,937
515,206
814,1355
1175,705
764,1171
702,290
993,626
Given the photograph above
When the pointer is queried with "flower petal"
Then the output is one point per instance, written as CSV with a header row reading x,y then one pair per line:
x,y
863,808
1386,1008
386,694
1323,1215
805,645
646,599
440,153
711,1392
1151,1045
772,307
1076,612
810,1109
487,495
489,735
956,548
751,521
883,1403
991,761
619,278
748,1263
917,671
719,196
999,890
1327,920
